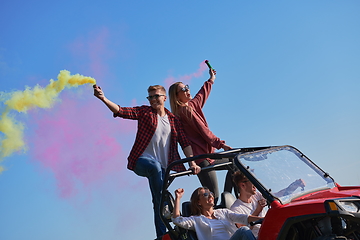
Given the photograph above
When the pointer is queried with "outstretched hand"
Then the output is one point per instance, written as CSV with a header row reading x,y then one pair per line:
x,y
98,92
300,183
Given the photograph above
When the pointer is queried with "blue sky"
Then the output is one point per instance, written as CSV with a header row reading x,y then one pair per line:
x,y
287,74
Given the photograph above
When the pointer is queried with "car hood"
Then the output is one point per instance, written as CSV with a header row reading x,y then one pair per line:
x,y
336,192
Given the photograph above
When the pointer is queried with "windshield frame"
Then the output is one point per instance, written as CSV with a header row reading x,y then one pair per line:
x,y
266,191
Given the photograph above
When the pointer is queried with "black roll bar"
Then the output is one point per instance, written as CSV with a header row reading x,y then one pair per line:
x,y
169,178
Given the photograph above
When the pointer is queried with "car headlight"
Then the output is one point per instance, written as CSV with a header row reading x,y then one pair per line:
x,y
351,205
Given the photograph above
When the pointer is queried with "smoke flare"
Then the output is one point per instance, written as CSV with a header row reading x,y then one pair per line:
x,y
186,78
30,98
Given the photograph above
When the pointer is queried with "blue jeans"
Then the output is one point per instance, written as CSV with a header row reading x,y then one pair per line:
x,y
243,233
152,170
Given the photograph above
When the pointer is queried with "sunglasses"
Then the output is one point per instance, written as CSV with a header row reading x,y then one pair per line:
x,y
156,96
207,194
185,89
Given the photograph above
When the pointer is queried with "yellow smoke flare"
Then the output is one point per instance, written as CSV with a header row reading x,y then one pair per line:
x,y
22,101
13,135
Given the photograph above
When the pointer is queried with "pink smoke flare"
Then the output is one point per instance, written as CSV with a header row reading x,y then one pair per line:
x,y
186,78
79,144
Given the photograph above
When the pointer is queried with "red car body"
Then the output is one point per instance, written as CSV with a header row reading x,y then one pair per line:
x,y
317,209
311,205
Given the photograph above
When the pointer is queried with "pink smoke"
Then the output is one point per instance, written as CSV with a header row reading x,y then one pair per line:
x,y
186,78
79,143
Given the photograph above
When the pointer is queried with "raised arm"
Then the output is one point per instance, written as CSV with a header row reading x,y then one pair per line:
x,y
260,205
291,188
178,195
98,92
242,218
202,95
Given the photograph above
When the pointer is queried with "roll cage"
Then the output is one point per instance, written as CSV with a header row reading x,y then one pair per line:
x,y
167,198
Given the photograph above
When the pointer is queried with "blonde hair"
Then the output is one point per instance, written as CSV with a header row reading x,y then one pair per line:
x,y
175,103
156,87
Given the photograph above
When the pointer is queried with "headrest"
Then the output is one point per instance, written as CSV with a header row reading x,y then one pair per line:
x,y
186,209
227,199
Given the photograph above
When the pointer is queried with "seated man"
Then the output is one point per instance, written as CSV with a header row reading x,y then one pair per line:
x,y
250,201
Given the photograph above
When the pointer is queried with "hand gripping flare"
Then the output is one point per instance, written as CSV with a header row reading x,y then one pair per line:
x,y
208,64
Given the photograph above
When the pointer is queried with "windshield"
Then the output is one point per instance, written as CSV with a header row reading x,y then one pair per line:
x,y
285,172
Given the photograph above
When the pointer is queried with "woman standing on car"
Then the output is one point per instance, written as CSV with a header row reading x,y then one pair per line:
x,y
210,223
202,140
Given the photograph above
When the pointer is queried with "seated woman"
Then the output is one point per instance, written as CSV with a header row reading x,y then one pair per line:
x,y
210,223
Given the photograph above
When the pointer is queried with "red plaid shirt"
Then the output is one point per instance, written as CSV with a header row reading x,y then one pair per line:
x,y
196,128
147,123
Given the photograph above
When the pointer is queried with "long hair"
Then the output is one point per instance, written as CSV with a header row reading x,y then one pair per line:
x,y
194,201
175,103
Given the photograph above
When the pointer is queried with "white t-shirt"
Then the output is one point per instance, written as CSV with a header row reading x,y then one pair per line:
x,y
248,208
159,145
202,226
218,230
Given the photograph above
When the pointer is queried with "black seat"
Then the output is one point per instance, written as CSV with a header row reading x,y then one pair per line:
x,y
187,234
186,209
227,200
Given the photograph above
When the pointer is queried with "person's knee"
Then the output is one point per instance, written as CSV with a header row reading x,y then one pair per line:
x,y
148,167
246,231
243,233
244,228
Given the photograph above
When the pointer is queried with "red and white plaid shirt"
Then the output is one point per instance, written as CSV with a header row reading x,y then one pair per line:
x,y
147,123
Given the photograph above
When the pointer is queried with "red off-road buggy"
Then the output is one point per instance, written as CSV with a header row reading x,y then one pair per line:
x,y
320,210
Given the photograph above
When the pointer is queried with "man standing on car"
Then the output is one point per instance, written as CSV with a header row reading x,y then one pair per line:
x,y
156,142
249,201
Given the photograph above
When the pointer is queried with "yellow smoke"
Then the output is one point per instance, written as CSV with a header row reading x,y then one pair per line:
x,y
22,101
